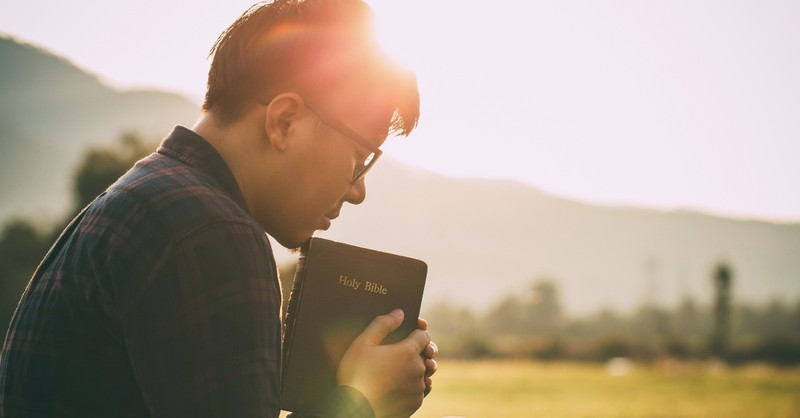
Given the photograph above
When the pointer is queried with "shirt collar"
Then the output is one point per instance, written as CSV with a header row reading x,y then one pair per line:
x,y
187,146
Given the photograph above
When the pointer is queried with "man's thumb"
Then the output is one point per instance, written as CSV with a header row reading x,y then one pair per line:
x,y
380,327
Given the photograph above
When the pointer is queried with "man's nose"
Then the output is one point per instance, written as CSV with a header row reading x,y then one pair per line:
x,y
357,192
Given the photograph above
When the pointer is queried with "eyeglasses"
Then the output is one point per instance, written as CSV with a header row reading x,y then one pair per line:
x,y
375,153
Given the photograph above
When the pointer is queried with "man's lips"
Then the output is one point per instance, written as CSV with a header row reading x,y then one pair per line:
x,y
329,217
333,214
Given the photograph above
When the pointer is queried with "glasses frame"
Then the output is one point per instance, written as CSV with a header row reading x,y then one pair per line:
x,y
346,131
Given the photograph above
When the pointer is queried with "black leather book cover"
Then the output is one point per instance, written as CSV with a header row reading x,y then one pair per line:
x,y
338,290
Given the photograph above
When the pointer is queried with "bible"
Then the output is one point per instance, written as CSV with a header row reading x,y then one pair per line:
x,y
338,290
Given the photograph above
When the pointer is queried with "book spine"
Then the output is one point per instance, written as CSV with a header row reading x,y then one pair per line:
x,y
291,310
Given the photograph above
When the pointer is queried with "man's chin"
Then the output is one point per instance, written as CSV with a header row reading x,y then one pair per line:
x,y
294,245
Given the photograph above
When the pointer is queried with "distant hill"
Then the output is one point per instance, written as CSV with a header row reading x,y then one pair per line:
x,y
486,239
482,239
51,111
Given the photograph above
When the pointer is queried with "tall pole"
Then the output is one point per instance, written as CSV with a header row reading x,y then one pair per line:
x,y
720,337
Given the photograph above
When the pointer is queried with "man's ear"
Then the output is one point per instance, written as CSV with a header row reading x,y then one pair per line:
x,y
283,112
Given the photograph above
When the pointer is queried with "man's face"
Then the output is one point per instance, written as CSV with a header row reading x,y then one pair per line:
x,y
319,168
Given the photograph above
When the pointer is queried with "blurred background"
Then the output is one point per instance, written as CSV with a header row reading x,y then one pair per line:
x,y
601,189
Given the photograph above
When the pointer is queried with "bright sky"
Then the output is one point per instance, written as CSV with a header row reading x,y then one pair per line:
x,y
665,104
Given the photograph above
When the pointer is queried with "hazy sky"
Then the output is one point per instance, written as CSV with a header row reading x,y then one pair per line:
x,y
666,104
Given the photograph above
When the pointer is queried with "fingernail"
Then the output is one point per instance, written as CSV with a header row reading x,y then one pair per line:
x,y
396,313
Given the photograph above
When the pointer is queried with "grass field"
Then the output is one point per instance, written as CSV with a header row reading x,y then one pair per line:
x,y
520,389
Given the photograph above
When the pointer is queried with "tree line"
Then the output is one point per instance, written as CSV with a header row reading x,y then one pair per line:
x,y
533,324
24,242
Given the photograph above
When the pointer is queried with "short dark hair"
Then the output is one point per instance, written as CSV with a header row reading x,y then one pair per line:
x,y
308,46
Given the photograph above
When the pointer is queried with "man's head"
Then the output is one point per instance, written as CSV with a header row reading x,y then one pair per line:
x,y
306,84
310,46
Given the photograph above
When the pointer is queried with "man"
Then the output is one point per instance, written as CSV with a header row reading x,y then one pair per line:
x,y
161,299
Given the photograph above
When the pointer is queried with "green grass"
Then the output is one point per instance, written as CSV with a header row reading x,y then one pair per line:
x,y
567,390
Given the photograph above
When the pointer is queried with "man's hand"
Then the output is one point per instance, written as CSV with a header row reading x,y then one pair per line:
x,y
428,354
396,377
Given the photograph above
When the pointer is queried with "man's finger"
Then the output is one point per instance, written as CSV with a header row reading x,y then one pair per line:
x,y
380,327
430,367
422,324
431,350
420,339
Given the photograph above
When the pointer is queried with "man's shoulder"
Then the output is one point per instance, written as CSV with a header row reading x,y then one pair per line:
x,y
170,195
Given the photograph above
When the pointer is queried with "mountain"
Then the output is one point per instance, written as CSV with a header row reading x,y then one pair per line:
x,y
486,239
482,239
51,111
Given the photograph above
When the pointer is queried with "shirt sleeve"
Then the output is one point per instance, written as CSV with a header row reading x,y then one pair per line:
x,y
204,335
342,402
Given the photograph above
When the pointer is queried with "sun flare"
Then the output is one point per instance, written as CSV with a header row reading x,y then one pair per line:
x,y
393,34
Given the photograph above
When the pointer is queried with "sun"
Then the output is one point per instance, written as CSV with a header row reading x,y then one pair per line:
x,y
396,38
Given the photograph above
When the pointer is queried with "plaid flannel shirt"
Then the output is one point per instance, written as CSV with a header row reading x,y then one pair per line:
x,y
161,299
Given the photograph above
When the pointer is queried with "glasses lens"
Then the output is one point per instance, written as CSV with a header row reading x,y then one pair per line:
x,y
368,160
362,169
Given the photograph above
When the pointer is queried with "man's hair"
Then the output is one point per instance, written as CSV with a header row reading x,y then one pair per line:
x,y
312,47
